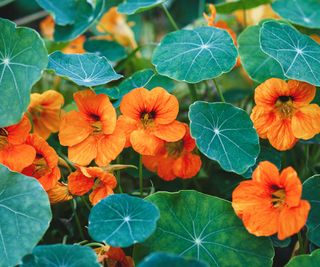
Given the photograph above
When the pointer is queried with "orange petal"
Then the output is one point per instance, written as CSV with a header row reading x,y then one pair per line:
x,y
79,184
18,133
109,180
150,162
51,119
84,152
189,143
293,187
165,168
99,193
40,129
267,174
51,99
172,132
50,180
187,166
262,117
301,92
127,126
135,102
145,143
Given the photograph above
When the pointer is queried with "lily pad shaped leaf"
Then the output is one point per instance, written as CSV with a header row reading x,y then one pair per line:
x,y
257,64
230,6
311,192
205,228
297,53
83,69
121,220
135,6
195,55
25,215
311,260
61,256
301,12
23,56
224,133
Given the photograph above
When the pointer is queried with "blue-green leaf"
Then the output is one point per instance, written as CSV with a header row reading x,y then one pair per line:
x,y
230,6
136,6
311,260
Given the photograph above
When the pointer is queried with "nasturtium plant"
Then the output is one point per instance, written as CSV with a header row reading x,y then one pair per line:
x,y
230,6
311,260
25,215
135,6
122,220
186,54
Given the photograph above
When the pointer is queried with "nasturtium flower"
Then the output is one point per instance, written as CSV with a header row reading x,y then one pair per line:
x,y
113,257
14,152
149,119
44,110
92,132
59,193
283,113
47,27
176,159
271,202
97,179
45,164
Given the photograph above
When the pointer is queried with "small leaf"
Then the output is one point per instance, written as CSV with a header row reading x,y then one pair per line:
x,y
121,220
311,260
230,6
224,133
25,215
136,6
301,12
83,69
297,53
195,55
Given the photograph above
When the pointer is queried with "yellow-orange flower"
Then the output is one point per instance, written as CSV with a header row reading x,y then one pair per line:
x,y
14,153
176,159
113,257
47,27
44,110
92,132
59,193
45,165
283,112
271,202
149,119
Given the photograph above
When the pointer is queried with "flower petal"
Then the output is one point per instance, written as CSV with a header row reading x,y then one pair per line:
x,y
187,165
126,125
17,134
99,193
301,92
145,143
172,132
84,152
262,117
79,184
293,187
267,174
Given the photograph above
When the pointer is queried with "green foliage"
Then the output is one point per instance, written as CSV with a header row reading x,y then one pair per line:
x,y
311,260
230,6
135,6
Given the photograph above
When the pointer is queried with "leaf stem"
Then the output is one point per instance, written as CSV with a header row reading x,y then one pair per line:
x,y
173,23
74,208
219,91
193,92
83,199
30,18
118,176
140,176
202,4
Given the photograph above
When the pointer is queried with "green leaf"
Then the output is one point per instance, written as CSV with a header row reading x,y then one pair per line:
x,y
230,6
85,18
280,243
121,220
301,12
224,133
195,225
311,260
297,53
5,2
311,192
61,256
25,215
257,64
111,50
160,259
23,56
83,69
195,55
136,6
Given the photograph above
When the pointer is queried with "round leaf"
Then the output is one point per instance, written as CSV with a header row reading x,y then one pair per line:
x,y
301,12
230,6
195,55
23,56
83,69
194,225
25,215
135,6
297,53
311,260
224,133
121,220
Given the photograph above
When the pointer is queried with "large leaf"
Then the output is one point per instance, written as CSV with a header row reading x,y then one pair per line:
x,y
311,192
194,225
83,69
61,256
5,2
121,220
311,260
135,6
195,55
297,53
230,6
258,65
301,12
23,56
25,215
224,133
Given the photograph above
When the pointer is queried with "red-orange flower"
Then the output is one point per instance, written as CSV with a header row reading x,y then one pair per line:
x,y
271,202
149,119
59,193
44,110
283,113
92,132
84,179
176,159
14,153
113,257
45,165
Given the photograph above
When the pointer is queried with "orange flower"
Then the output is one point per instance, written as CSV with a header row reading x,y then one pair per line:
x,y
84,179
113,257
283,113
45,111
175,160
59,193
45,165
92,132
14,153
47,27
149,119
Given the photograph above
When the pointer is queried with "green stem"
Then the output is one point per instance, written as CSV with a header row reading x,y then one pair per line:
x,y
31,18
244,16
302,246
219,91
173,23
118,176
140,176
193,92
83,199
94,244
74,208
202,4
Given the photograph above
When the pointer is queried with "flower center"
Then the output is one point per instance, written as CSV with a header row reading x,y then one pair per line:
x,y
147,118
40,166
3,137
278,197
284,106
174,148
96,124
36,111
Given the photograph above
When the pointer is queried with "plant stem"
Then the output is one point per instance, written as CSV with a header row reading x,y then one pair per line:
x,y
140,176
202,4
173,23
302,247
32,17
193,92
118,176
74,208
219,91
85,203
